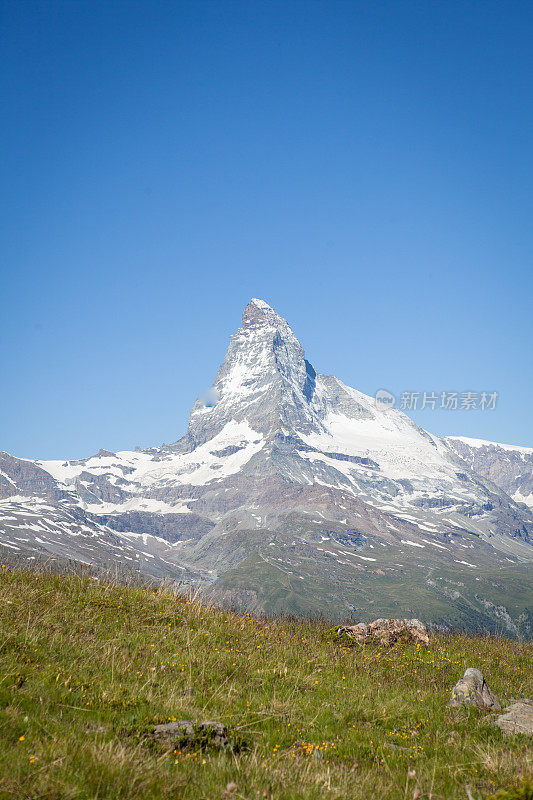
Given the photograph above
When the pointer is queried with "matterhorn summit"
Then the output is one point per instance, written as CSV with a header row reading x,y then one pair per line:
x,y
291,491
264,379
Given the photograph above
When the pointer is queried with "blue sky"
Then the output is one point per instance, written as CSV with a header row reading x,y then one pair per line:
x,y
366,168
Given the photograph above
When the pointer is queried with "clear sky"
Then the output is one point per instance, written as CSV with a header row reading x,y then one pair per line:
x,y
364,167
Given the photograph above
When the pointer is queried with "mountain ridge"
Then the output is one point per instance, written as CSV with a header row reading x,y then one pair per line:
x,y
292,473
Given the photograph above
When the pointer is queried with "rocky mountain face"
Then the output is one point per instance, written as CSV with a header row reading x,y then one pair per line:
x,y
508,466
293,492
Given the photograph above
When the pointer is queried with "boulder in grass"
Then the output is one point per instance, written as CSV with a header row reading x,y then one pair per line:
x,y
471,690
174,735
387,631
186,735
214,734
517,718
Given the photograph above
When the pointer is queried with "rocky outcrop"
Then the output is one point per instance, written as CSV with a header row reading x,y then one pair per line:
x,y
517,718
388,631
471,690
185,735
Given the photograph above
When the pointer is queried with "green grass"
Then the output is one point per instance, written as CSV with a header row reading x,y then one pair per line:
x,y
86,668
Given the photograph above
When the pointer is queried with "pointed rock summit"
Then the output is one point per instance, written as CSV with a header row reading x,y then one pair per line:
x,y
264,380
257,313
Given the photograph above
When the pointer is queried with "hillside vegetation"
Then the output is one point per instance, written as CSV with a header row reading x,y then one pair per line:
x,y
87,669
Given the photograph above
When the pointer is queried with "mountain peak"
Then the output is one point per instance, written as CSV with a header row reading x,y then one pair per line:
x,y
261,304
258,313
264,381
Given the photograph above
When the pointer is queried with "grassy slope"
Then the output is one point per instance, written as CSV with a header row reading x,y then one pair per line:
x,y
405,594
84,665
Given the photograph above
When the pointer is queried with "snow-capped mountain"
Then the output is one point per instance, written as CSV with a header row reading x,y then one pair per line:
x,y
291,491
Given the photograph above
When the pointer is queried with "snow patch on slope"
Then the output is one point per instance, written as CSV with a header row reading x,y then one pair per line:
x,y
140,470
514,448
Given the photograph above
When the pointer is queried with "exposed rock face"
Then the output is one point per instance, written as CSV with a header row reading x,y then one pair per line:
x,y
291,488
472,690
18,477
509,467
170,527
388,631
517,718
